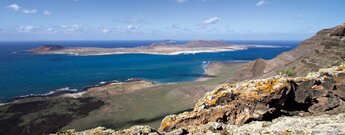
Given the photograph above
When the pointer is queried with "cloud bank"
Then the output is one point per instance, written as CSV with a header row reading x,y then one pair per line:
x,y
17,8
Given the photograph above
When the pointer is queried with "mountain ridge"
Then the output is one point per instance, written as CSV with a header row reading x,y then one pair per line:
x,y
326,48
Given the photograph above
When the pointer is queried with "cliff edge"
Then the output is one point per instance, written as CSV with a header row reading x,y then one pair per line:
x,y
318,98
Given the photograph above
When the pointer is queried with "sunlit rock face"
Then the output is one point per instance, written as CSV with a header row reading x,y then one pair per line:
x,y
265,99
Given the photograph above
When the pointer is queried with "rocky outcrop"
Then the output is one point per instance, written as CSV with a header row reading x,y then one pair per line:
x,y
326,48
249,106
264,99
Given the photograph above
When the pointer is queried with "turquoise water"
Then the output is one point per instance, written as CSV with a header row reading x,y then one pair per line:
x,y
24,73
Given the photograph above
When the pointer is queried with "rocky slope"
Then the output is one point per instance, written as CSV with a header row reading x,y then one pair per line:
x,y
326,48
229,108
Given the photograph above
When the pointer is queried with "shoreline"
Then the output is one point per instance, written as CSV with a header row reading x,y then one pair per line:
x,y
66,91
117,100
210,68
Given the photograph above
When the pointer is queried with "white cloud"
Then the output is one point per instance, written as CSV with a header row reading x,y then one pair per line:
x,y
130,26
51,30
75,27
17,8
105,30
211,20
261,2
14,7
46,12
181,1
29,11
27,29
133,28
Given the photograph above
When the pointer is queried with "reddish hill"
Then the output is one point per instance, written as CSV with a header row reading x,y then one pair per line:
x,y
326,48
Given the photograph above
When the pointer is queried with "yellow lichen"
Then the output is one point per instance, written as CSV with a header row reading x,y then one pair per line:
x,y
340,68
253,95
168,121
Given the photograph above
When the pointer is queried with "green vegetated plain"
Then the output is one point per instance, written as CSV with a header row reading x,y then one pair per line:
x,y
150,105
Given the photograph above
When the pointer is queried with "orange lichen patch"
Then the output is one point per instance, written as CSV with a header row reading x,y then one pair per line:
x,y
213,100
97,131
286,132
253,95
168,122
269,86
340,68
226,86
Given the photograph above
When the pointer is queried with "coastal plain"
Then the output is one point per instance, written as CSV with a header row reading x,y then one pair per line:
x,y
116,105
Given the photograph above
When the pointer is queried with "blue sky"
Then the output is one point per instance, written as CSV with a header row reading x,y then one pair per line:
x,y
167,19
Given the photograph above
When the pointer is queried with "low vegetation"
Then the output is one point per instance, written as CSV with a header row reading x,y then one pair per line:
x,y
287,72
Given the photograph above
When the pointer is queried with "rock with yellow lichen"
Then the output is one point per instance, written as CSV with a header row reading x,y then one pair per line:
x,y
316,100
264,99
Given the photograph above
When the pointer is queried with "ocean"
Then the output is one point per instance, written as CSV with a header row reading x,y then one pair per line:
x,y
24,73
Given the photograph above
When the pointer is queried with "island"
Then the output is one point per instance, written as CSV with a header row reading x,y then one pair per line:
x,y
159,48
301,91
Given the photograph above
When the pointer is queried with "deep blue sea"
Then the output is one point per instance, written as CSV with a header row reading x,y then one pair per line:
x,y
25,73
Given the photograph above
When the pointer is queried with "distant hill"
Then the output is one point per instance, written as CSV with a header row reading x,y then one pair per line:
x,y
326,48
207,43
46,48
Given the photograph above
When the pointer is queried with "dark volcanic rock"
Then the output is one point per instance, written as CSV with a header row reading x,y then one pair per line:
x,y
339,31
47,115
47,48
